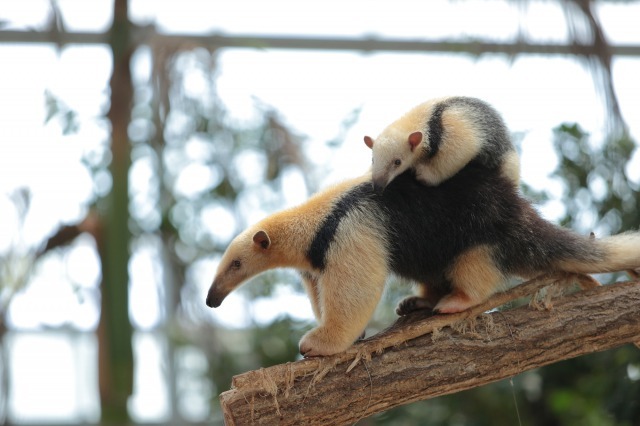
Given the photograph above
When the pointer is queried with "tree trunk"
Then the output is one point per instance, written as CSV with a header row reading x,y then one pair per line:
x,y
459,352
114,330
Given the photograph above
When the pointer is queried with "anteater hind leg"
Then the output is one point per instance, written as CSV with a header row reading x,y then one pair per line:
x,y
474,277
347,304
426,298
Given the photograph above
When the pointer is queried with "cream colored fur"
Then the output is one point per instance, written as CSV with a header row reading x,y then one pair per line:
x,y
356,278
511,167
461,143
476,278
622,253
355,274
392,144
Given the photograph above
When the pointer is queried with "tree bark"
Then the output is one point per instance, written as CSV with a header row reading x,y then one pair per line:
x,y
459,352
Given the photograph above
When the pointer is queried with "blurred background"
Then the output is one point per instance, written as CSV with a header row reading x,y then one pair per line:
x,y
137,137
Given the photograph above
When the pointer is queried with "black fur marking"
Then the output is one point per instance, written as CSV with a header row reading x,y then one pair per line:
x,y
351,199
488,122
425,228
497,140
428,227
435,130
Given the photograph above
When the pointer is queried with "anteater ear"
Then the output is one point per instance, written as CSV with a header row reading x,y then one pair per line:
x,y
414,139
262,239
368,141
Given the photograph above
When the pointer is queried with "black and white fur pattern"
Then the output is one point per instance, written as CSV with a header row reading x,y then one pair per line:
x,y
459,241
439,137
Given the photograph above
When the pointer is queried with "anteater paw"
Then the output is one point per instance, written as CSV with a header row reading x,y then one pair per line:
x,y
412,304
453,303
321,341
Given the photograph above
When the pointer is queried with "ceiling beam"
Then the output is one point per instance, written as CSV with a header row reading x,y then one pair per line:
x,y
368,44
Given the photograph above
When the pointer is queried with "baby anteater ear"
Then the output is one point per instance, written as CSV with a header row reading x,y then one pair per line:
x,y
262,239
368,141
414,139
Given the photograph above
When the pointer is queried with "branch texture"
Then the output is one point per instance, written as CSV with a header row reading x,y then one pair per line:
x,y
423,357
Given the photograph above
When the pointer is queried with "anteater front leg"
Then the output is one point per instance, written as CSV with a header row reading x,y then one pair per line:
x,y
310,283
347,304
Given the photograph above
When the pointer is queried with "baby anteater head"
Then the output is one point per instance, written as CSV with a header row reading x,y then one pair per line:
x,y
393,153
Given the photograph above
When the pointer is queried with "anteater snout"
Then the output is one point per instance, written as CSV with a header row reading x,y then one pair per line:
x,y
378,187
213,299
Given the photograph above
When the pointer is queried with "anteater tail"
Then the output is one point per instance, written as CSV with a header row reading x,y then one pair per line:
x,y
610,254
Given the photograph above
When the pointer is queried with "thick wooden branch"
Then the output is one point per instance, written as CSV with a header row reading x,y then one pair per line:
x,y
458,352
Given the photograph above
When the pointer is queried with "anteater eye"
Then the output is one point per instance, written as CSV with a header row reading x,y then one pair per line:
x,y
235,264
397,162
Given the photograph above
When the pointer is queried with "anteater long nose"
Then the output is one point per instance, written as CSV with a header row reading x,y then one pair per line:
x,y
378,187
213,300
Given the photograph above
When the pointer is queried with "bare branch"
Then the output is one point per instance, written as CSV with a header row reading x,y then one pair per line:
x,y
458,352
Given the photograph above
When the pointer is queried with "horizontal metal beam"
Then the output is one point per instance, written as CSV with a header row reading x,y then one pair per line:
x,y
147,35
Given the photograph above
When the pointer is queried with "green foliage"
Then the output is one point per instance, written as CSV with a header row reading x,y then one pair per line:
x,y
595,389
599,194
66,117
16,260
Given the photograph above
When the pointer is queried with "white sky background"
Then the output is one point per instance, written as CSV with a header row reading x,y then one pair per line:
x,y
313,90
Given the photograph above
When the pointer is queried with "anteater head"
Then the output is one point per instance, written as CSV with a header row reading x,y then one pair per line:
x,y
394,152
248,255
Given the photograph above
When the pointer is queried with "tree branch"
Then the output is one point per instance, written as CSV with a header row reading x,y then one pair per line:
x,y
458,352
